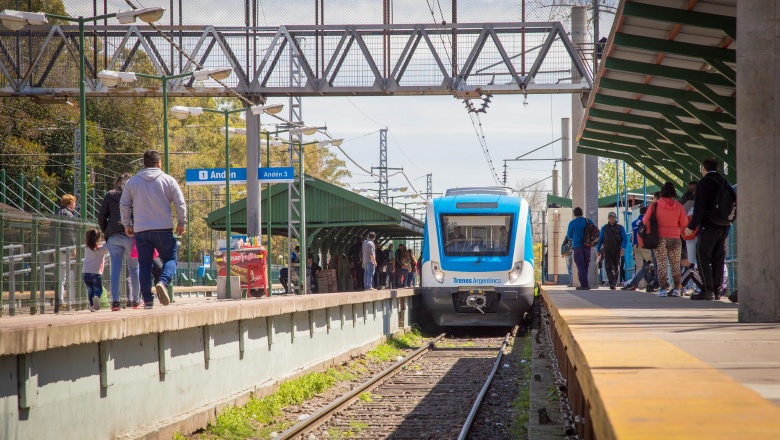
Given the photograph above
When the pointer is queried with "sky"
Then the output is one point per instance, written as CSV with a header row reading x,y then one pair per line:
x,y
434,134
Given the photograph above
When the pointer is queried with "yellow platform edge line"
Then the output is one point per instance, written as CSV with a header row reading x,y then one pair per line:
x,y
640,386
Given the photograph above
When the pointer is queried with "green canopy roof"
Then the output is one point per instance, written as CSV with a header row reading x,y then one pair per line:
x,y
603,201
333,215
664,96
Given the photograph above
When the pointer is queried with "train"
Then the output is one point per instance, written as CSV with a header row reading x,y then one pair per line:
x,y
477,258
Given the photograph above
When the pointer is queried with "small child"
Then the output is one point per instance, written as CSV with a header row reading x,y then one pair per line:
x,y
92,269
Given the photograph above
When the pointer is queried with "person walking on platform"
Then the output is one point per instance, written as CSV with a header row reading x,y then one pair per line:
x,y
120,246
575,232
68,212
640,254
613,240
671,219
369,261
146,214
92,269
714,209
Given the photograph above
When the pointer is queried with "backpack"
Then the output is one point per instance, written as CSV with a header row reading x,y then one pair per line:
x,y
650,237
566,247
724,207
591,235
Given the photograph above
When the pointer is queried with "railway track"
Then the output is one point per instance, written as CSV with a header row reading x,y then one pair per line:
x,y
433,393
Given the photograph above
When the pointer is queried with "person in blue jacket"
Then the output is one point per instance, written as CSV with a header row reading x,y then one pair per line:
x,y
614,242
581,252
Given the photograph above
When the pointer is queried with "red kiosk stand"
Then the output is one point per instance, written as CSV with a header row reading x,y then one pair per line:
x,y
249,264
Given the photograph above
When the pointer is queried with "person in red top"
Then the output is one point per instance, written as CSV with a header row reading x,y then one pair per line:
x,y
672,219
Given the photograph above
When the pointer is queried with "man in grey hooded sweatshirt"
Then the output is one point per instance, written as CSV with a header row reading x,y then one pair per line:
x,y
146,214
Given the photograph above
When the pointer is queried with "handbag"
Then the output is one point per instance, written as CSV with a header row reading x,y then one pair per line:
x,y
650,239
566,247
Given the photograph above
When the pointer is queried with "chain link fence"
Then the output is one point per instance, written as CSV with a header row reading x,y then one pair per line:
x,y
343,12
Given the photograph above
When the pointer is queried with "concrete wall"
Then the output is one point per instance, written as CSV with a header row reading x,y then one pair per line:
x,y
174,375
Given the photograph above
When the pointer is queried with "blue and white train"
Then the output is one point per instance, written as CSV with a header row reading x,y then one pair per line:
x,y
477,258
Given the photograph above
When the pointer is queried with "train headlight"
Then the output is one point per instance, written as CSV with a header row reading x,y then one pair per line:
x,y
517,269
437,272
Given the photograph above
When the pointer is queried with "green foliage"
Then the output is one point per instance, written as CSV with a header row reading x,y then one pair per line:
x,y
178,436
607,175
366,397
395,347
522,405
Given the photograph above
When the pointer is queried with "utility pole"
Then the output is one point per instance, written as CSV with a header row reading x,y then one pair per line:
x,y
383,184
296,216
429,186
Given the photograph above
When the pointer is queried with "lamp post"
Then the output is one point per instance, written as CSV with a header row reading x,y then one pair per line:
x,y
112,79
181,112
17,20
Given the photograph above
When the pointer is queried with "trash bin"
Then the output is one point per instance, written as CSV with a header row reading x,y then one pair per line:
x,y
201,273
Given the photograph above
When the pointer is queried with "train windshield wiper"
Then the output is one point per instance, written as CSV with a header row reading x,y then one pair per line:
x,y
482,255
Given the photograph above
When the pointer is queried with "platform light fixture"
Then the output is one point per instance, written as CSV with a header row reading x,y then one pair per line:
x,y
232,131
147,15
17,20
111,78
269,109
219,74
308,131
181,112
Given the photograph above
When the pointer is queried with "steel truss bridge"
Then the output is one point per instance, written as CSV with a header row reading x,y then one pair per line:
x,y
465,60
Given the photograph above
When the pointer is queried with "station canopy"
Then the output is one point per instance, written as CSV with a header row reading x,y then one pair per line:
x,y
664,97
637,194
334,216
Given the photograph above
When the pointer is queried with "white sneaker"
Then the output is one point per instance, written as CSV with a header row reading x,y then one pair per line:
x,y
162,294
662,293
675,293
95,303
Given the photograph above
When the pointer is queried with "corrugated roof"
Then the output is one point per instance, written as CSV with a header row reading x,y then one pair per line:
x,y
665,93
606,200
331,211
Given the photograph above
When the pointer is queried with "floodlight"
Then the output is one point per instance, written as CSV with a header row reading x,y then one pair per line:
x,y
147,15
272,142
336,142
181,112
308,131
17,20
112,79
218,74
233,131
270,109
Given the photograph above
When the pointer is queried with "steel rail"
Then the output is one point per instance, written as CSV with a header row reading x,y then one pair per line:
x,y
322,416
477,403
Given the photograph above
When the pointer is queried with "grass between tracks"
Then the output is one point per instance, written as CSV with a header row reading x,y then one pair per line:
x,y
262,415
522,405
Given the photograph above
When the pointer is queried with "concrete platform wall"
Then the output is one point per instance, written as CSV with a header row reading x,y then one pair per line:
x,y
154,383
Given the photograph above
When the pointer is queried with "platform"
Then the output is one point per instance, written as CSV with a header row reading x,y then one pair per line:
x,y
671,368
195,356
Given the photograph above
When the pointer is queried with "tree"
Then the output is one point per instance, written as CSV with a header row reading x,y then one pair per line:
x,y
536,196
608,175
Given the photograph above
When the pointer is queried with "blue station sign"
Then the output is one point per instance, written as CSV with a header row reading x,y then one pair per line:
x,y
216,176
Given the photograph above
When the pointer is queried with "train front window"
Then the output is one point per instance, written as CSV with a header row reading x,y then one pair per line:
x,y
476,235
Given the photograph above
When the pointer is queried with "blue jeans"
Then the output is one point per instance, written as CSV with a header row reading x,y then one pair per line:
x,y
94,282
582,260
368,275
120,246
165,243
